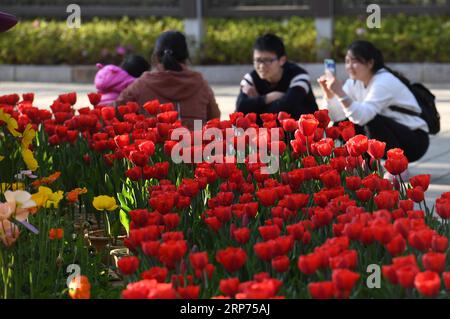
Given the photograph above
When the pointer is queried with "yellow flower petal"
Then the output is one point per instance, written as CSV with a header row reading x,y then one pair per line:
x,y
29,159
11,123
28,135
104,202
54,199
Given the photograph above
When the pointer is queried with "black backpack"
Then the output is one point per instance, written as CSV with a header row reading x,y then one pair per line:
x,y
426,101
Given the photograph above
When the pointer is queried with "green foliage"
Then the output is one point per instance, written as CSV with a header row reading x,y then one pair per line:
x,y
401,38
231,41
228,41
52,42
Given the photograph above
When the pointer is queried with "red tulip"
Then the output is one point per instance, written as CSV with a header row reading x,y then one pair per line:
x,y
353,230
416,194
70,98
134,173
152,107
357,145
439,243
157,273
289,125
428,283
108,113
389,272
396,162
321,290
296,231
420,180
29,97
308,124
397,245
347,259
323,118
265,250
189,292
406,275
229,286
421,239
122,140
434,261
344,279
386,199
171,220
446,277
267,197
56,233
353,182
443,207
94,98
333,132
199,260
281,263
128,265
330,179
139,158
171,252
213,223
347,130
364,194
148,147
324,147
376,148
232,258
308,264
269,232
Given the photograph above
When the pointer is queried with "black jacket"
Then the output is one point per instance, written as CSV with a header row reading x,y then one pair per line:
x,y
298,99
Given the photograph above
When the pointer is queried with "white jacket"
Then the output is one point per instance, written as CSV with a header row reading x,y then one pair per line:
x,y
383,90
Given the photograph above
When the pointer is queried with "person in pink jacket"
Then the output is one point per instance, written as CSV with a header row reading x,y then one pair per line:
x,y
111,80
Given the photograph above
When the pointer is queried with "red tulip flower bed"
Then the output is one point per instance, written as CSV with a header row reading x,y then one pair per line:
x,y
325,225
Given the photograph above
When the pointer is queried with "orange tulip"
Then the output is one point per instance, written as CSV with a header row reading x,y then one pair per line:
x,y
80,288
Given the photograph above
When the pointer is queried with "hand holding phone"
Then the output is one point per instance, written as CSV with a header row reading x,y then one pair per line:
x,y
330,66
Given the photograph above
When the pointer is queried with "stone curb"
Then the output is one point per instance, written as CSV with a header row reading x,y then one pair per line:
x,y
217,74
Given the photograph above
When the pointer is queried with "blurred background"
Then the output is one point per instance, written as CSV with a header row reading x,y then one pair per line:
x,y
413,35
223,31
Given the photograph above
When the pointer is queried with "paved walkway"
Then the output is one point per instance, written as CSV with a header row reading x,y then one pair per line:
x,y
435,162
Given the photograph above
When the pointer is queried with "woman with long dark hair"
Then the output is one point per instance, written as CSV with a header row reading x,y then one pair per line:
x,y
172,81
367,97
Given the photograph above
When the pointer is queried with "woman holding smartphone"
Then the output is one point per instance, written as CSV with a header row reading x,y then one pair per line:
x,y
366,97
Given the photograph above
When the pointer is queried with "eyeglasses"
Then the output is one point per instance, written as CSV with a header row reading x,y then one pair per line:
x,y
265,61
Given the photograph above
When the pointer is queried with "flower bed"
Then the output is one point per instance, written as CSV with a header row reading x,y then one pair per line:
x,y
106,41
202,217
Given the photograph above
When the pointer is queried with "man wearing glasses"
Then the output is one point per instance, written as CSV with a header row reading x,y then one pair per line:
x,y
275,84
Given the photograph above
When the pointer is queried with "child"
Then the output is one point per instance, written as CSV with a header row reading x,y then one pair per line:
x,y
111,79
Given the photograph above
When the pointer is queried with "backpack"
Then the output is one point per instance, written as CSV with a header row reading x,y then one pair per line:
x,y
426,101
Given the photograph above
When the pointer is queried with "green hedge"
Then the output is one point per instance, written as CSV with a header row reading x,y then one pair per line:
x,y
402,39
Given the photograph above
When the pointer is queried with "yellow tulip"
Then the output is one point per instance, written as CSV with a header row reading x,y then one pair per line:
x,y
42,196
104,202
29,159
11,123
54,199
1,158
28,135
14,187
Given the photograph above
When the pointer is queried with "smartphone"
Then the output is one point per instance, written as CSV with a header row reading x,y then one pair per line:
x,y
330,66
